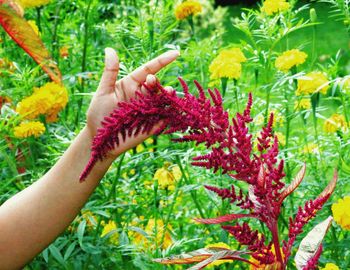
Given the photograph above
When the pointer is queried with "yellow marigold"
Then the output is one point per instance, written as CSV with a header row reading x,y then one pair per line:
x,y
341,212
227,64
218,245
302,104
166,176
330,266
311,148
111,229
274,6
187,8
334,123
312,82
33,3
155,229
48,99
27,129
289,59
34,27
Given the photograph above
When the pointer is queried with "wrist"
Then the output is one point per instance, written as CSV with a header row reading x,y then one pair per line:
x,y
87,137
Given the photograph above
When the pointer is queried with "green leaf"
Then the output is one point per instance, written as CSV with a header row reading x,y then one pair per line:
x,y
81,231
69,251
57,254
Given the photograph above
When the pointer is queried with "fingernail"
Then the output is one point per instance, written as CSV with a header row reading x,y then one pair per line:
x,y
171,54
109,53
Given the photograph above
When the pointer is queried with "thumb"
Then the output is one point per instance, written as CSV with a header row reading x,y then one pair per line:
x,y
110,73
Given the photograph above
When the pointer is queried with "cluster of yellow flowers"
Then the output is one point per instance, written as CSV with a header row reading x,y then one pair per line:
x,y
33,3
289,59
159,236
334,123
187,8
302,104
330,266
274,6
47,100
311,83
27,129
167,176
227,64
341,212
110,230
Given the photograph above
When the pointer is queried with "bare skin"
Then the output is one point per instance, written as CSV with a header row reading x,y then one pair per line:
x,y
33,218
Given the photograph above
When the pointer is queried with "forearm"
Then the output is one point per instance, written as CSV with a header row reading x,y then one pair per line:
x,y
33,218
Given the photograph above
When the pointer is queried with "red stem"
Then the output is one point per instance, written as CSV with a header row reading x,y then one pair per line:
x,y
276,243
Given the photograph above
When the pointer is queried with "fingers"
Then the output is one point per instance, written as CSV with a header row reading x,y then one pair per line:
x,y
152,67
110,73
151,81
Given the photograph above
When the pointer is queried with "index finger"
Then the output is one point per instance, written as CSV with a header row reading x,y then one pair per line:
x,y
139,75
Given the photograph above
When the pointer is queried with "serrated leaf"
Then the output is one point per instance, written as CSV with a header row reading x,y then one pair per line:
x,y
222,219
24,35
311,243
295,183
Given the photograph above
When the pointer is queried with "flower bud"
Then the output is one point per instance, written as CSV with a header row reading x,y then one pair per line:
x,y
313,15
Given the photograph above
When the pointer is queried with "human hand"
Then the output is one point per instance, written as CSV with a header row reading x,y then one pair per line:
x,y
111,91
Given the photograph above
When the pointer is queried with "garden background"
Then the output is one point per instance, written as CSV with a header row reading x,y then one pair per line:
x,y
145,205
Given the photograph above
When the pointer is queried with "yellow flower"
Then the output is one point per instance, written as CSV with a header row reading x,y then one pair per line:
x,y
227,64
167,177
274,6
312,82
187,8
48,99
334,123
27,129
302,104
33,3
140,148
34,27
289,59
155,230
311,148
330,266
341,212
218,245
111,229
281,138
